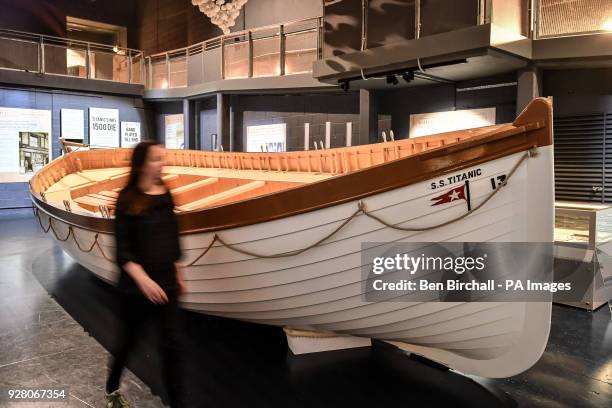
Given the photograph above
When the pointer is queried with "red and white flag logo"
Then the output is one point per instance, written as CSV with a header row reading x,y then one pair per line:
x,y
457,193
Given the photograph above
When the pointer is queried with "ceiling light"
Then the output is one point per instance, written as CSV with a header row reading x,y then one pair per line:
x,y
222,13
607,25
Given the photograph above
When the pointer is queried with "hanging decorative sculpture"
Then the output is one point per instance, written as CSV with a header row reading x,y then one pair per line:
x,y
222,13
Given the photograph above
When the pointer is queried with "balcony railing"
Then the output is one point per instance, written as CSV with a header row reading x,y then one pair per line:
x,y
62,56
277,50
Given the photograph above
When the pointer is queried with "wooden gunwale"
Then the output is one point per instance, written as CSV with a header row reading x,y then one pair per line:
x,y
532,128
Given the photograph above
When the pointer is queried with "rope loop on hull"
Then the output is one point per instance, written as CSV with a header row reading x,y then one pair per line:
x,y
530,153
361,209
71,233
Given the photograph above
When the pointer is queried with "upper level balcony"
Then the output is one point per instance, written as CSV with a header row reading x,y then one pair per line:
x,y
285,52
347,43
457,39
70,63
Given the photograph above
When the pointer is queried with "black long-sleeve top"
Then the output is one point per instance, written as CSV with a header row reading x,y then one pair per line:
x,y
146,233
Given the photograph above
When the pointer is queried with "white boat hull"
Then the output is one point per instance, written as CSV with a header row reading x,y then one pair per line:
x,y
321,288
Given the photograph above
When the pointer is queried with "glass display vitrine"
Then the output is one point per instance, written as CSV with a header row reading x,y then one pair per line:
x,y
583,252
583,223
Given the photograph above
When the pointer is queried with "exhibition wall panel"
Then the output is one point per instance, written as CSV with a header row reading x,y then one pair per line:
x,y
163,109
295,123
295,110
395,108
325,129
498,92
24,142
130,109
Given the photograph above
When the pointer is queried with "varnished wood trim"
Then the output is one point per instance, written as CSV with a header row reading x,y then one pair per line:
x,y
532,128
223,195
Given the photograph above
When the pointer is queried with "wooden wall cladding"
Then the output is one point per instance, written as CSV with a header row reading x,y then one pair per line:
x,y
169,24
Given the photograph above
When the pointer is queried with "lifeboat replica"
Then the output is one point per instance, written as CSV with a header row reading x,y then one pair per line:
x,y
275,238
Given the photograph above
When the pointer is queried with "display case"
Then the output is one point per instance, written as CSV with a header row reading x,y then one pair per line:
x,y
583,251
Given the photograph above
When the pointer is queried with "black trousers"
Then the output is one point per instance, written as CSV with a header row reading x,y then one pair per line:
x,y
135,311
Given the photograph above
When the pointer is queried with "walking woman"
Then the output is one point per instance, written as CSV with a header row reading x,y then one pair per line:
x,y
151,279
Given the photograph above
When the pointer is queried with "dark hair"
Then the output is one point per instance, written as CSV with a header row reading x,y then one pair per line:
x,y
132,197
139,159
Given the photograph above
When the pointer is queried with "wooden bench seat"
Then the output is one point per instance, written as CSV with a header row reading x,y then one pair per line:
x,y
193,186
93,203
201,188
222,196
109,194
102,198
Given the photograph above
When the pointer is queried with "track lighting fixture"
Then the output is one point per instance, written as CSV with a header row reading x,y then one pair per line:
x,y
392,79
408,76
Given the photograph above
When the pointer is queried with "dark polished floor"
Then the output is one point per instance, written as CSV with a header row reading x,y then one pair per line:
x,y
236,364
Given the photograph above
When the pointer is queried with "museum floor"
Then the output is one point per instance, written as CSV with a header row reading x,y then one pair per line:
x,y
57,321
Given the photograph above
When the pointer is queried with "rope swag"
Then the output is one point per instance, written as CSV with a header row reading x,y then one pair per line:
x,y
72,234
361,209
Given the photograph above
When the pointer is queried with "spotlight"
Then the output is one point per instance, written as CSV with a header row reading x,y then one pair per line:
x,y
392,79
344,85
408,76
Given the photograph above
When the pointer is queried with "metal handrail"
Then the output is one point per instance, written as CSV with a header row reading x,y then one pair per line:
x,y
158,60
238,34
276,35
89,49
67,41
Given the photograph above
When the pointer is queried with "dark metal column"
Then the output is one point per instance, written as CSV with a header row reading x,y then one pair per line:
x,y
223,121
197,126
189,123
529,86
